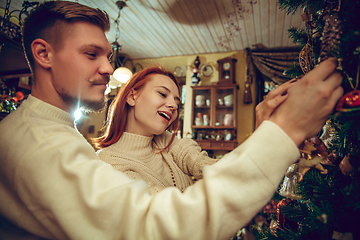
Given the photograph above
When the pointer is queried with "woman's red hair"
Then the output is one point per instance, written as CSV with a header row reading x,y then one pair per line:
x,y
118,109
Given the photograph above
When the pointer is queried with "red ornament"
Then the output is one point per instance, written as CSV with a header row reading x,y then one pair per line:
x,y
280,215
349,100
282,221
19,95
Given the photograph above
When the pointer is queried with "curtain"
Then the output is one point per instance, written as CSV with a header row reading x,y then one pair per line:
x,y
273,63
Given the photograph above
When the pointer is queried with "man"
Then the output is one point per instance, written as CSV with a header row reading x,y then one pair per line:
x,y
53,186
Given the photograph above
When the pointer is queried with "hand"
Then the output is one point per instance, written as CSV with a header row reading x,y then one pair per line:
x,y
310,102
273,99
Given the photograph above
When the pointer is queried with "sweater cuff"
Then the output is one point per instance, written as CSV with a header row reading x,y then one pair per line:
x,y
277,153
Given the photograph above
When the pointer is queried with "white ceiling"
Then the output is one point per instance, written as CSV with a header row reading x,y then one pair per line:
x,y
164,28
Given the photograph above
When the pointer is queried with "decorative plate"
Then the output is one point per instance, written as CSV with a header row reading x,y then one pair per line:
x,y
206,70
180,71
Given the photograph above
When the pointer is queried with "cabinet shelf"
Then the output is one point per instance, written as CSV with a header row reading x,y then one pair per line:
x,y
229,107
216,127
217,119
217,145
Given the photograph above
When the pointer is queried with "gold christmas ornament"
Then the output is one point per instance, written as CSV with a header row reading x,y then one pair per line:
x,y
329,133
304,58
288,187
332,32
311,157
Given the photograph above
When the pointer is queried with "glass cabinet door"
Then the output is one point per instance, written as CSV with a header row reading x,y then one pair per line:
x,y
202,106
225,114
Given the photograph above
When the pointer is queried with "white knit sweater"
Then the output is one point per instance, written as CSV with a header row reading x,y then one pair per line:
x,y
138,156
53,186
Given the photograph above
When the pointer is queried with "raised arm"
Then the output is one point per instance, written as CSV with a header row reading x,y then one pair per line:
x,y
309,103
273,99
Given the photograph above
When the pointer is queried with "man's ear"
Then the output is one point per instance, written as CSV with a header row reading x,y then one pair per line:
x,y
131,97
41,52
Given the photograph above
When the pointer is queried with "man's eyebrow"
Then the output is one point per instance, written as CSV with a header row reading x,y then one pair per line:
x,y
98,48
92,46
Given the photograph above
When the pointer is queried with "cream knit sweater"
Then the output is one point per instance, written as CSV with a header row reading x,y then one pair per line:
x,y
138,156
53,185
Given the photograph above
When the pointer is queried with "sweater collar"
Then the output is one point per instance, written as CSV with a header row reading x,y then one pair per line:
x,y
137,145
48,111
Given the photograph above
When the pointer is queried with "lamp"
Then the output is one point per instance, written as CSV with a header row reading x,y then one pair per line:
x,y
121,74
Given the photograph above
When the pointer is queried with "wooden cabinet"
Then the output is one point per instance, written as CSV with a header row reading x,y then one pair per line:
x,y
214,114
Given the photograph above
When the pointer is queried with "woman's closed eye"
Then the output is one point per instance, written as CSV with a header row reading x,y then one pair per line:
x,y
162,94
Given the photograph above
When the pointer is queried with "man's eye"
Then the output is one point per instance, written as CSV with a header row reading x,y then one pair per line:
x,y
92,55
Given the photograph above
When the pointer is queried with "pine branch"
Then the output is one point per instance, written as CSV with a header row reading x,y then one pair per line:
x,y
294,71
330,202
299,36
292,5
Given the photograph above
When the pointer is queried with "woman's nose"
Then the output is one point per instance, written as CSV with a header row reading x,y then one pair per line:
x,y
172,105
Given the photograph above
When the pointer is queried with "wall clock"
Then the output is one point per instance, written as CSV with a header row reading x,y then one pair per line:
x,y
227,70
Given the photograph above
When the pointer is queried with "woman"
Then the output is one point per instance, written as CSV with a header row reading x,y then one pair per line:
x,y
137,141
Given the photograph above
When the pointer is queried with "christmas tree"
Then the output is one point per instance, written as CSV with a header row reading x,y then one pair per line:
x,y
320,195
